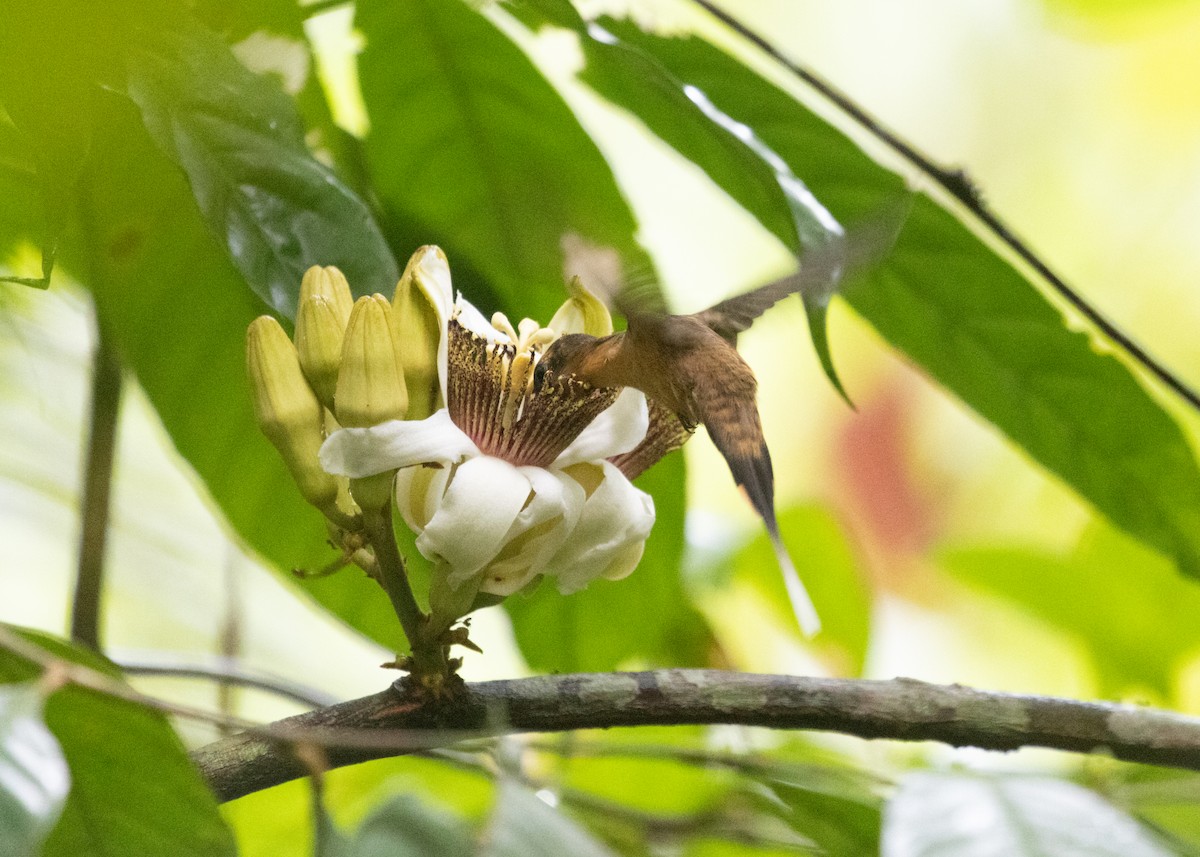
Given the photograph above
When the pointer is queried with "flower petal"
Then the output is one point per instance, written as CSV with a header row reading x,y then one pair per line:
x,y
475,515
419,492
616,516
540,530
617,429
358,452
431,271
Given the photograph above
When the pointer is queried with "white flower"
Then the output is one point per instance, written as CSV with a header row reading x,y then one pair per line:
x,y
505,482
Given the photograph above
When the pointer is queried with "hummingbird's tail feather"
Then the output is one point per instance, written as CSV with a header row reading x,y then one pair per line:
x,y
802,606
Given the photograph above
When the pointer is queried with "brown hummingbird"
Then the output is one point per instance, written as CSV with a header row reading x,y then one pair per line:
x,y
690,365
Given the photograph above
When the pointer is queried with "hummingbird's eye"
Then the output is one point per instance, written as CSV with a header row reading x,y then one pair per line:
x,y
539,376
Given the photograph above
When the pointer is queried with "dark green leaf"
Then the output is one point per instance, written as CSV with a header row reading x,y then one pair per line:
x,y
239,139
523,825
967,316
656,621
960,815
178,311
134,792
34,780
406,827
469,141
1136,617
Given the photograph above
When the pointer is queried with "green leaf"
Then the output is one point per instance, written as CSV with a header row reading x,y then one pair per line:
x,y
1123,602
34,779
134,792
19,191
239,139
53,61
178,311
469,141
657,622
406,827
624,68
960,815
843,827
523,825
967,316
830,571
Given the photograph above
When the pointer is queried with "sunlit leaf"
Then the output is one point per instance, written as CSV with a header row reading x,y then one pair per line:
x,y
1138,627
961,815
968,317
524,825
34,780
51,68
134,792
831,572
239,139
469,141
656,621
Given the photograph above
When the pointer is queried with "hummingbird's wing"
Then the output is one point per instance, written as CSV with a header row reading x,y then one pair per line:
x,y
821,269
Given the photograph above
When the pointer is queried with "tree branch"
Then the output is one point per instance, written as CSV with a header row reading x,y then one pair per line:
x,y
900,709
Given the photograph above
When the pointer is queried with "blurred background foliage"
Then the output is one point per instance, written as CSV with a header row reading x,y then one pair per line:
x,y
1010,505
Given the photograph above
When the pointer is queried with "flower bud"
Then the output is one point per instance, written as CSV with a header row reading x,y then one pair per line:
x,y
319,336
287,409
419,330
582,312
330,284
370,385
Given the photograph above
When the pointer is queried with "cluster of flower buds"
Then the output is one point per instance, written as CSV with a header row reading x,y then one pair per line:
x,y
353,364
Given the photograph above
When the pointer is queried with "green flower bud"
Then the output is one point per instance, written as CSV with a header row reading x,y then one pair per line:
x,y
330,284
419,330
582,312
319,335
287,409
370,385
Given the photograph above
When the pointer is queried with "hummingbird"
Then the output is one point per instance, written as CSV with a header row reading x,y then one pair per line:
x,y
689,364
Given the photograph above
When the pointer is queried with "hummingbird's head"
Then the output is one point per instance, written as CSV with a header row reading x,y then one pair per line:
x,y
563,357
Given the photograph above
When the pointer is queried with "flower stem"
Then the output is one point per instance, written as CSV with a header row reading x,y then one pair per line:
x,y
428,656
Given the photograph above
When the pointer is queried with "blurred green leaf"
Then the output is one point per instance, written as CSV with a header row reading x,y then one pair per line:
x,y
134,792
468,140
406,827
1122,601
34,779
645,617
964,815
18,191
967,316
240,141
178,311
53,62
523,825
831,572
844,827
621,68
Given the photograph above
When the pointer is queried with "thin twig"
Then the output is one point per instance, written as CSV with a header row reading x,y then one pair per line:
x,y
228,672
97,485
958,184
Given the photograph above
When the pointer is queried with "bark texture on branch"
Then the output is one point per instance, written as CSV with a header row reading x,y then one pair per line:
x,y
386,724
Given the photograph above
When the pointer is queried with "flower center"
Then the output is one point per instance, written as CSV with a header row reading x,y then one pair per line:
x,y
490,395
